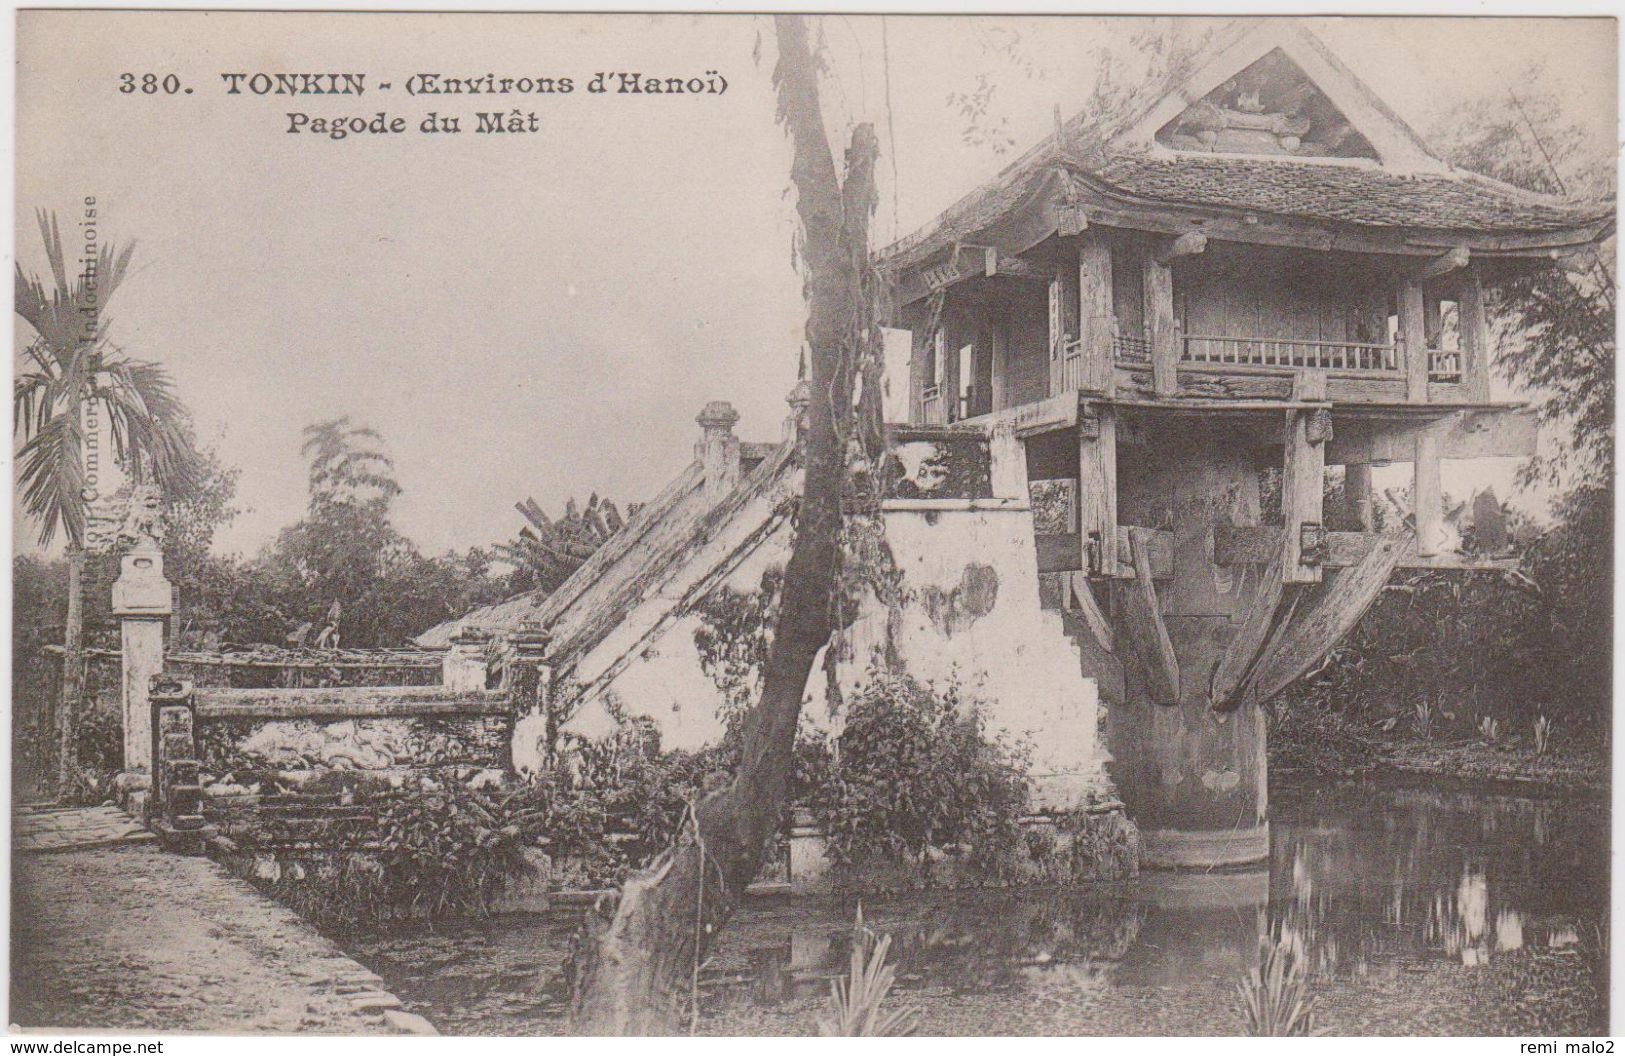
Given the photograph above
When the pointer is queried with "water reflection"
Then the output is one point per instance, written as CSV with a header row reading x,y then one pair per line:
x,y
1367,881
1417,873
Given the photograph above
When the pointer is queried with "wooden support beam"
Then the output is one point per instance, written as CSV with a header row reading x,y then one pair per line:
x,y
1475,344
1159,315
1314,628
1088,606
1427,495
1250,639
1097,490
1159,543
1142,624
1357,496
1497,433
1412,334
1261,544
1302,494
1452,260
1187,245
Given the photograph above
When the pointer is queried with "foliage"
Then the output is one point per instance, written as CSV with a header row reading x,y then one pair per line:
x,y
855,1002
1310,733
98,758
1442,647
732,640
344,574
914,771
1489,728
547,552
451,848
1543,734
69,366
1275,998
443,847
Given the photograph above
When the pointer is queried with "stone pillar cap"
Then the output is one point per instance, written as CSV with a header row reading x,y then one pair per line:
x,y
718,414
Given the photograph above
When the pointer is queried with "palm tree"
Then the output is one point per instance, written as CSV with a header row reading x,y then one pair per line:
x,y
68,369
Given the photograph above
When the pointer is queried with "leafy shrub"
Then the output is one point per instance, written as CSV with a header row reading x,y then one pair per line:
x,y
450,848
99,745
441,848
914,771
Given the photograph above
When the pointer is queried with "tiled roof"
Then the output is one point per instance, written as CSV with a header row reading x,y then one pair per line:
x,y
1343,194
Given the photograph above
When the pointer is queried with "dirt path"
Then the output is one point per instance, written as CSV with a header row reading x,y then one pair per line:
x,y
130,938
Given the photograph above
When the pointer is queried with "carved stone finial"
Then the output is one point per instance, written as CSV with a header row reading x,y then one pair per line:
x,y
718,415
142,522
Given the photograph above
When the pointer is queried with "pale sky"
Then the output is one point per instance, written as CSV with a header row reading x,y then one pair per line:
x,y
544,314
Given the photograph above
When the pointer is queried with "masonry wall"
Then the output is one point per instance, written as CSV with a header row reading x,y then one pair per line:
x,y
968,614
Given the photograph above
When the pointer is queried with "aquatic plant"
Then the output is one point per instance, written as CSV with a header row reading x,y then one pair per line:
x,y
1489,728
855,1002
1275,998
1543,734
1424,719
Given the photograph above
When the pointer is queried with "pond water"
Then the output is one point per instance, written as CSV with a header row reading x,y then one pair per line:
x,y
1422,909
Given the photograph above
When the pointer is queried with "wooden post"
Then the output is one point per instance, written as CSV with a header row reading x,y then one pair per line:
x,y
999,334
1357,496
1303,475
1097,489
1427,496
1475,345
1095,311
1159,314
1412,332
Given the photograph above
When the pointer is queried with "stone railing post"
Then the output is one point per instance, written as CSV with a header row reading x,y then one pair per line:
x,y
464,666
718,448
175,810
142,601
530,690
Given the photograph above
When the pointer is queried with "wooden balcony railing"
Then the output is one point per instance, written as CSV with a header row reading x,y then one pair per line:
x,y
933,411
1444,365
1289,353
1131,347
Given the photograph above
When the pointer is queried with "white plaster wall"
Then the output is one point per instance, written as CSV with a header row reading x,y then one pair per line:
x,y
1014,656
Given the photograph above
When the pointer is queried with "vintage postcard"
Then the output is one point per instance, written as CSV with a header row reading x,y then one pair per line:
x,y
819,524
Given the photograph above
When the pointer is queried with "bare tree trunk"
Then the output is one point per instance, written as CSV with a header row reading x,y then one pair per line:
x,y
73,672
636,972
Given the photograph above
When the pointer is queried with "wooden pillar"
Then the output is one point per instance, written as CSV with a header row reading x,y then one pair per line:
x,y
1357,496
1095,311
1427,496
1303,476
920,343
1475,345
1097,488
1194,779
1412,329
1159,314
999,333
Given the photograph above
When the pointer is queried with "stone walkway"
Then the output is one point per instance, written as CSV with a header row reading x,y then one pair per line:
x,y
74,829
109,932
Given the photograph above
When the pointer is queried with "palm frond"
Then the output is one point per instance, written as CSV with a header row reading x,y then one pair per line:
x,y
150,426
52,478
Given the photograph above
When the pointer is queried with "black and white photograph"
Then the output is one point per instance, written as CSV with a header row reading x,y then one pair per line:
x,y
833,523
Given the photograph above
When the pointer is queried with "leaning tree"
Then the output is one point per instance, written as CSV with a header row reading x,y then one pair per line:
x,y
635,972
66,372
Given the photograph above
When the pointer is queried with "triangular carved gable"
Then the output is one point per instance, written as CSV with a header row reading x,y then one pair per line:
x,y
1278,91
1270,108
